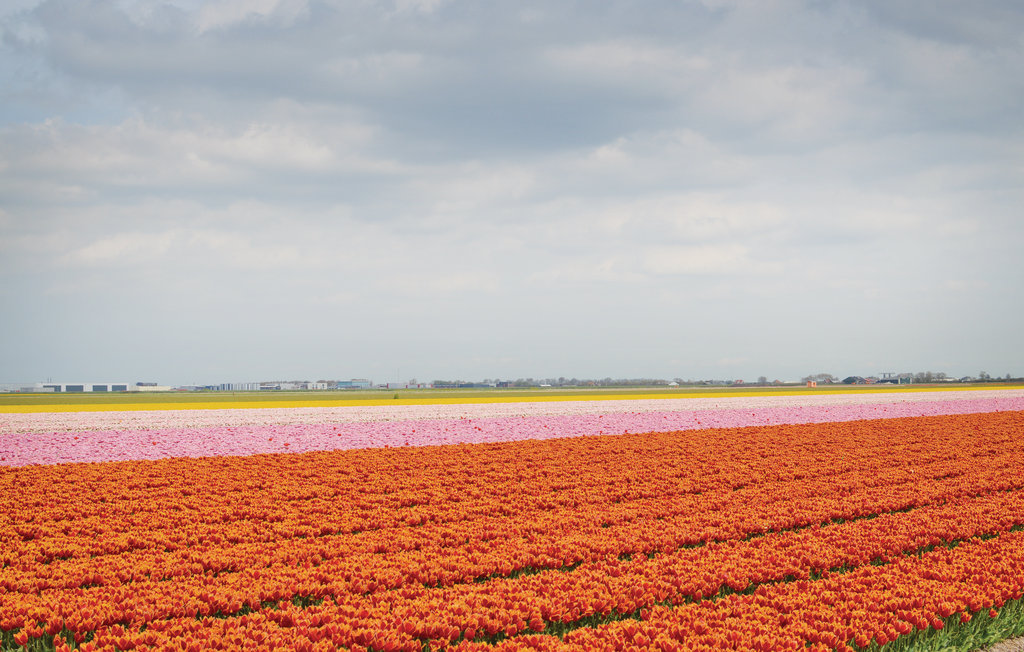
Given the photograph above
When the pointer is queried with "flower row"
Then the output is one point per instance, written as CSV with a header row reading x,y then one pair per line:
x,y
838,611
88,512
52,438
871,604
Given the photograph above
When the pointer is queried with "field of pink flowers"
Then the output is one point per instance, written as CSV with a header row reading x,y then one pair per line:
x,y
66,437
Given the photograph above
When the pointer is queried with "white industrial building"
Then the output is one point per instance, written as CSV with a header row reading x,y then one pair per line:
x,y
355,383
238,387
24,388
83,387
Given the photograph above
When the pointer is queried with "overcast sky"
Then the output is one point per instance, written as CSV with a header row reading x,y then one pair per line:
x,y
240,190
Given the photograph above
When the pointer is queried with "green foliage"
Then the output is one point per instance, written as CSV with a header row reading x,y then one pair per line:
x,y
980,632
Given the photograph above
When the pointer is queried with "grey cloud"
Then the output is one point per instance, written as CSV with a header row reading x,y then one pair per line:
x,y
683,190
509,78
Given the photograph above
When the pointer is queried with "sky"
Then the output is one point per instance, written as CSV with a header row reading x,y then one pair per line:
x,y
239,190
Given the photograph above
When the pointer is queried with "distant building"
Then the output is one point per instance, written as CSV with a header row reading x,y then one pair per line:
x,y
238,387
84,387
150,387
894,378
355,383
24,388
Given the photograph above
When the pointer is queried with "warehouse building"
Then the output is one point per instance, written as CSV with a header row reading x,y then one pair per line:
x,y
237,387
83,387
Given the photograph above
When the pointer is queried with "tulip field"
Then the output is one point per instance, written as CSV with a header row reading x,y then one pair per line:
x,y
819,521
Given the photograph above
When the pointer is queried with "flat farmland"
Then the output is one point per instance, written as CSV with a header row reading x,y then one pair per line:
x,y
101,401
821,520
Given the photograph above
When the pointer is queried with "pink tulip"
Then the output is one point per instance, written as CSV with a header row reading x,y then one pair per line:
x,y
54,438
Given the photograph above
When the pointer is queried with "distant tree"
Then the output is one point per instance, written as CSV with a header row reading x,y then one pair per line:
x,y
762,380
984,376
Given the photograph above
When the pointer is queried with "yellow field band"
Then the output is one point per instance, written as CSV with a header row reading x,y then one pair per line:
x,y
314,403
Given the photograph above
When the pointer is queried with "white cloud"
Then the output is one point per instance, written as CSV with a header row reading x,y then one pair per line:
x,y
631,62
184,248
964,285
74,161
219,14
418,6
662,158
237,250
796,104
271,144
124,249
412,281
605,269
377,72
728,260
471,189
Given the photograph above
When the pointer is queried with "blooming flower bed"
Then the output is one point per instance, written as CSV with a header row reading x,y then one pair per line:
x,y
60,437
824,528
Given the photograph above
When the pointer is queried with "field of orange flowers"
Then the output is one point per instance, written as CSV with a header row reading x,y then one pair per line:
x,y
826,536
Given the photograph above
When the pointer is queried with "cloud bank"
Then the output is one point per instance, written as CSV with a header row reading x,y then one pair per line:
x,y
224,190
